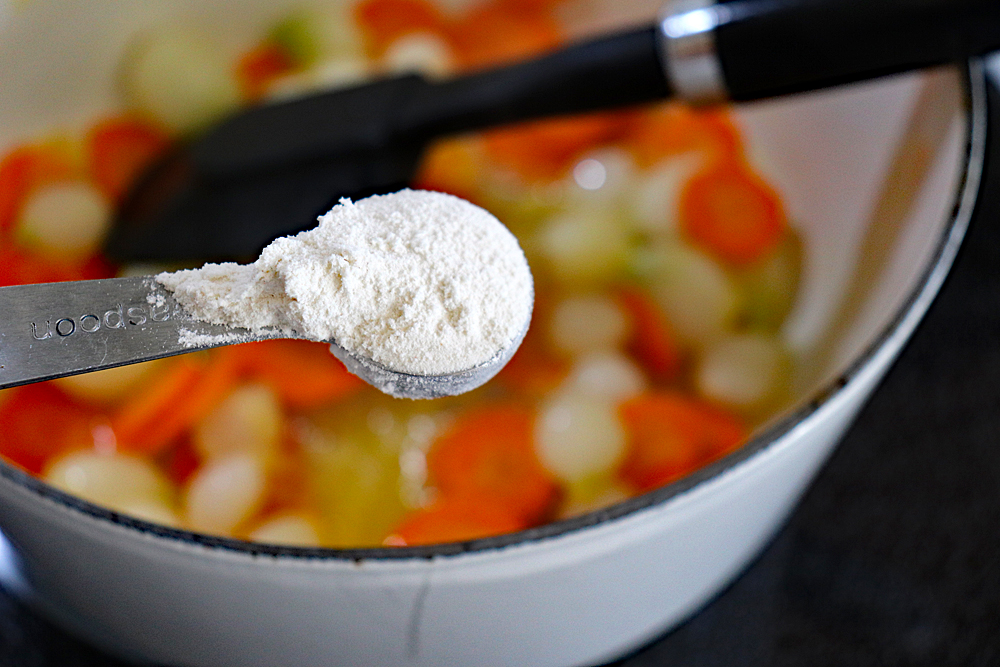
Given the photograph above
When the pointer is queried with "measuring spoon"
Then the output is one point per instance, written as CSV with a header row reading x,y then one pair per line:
x,y
52,330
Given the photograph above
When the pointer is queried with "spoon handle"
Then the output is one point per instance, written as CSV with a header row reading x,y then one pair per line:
x,y
52,330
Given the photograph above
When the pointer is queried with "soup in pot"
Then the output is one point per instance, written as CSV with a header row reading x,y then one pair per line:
x,y
664,264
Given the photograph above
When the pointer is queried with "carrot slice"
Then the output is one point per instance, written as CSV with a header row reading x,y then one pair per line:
x,y
144,410
180,461
533,370
528,5
19,266
671,434
213,385
453,519
674,128
503,31
39,423
119,149
259,67
27,168
385,21
289,487
188,391
545,150
732,213
651,342
489,454
304,374
450,166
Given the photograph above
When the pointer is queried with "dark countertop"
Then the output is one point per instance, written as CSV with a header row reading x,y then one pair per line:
x,y
893,556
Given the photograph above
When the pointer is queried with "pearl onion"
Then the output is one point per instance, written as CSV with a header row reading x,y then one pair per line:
x,y
224,493
578,436
584,323
747,372
606,375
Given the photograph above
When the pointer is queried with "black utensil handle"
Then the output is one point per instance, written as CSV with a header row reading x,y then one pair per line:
x,y
615,71
608,72
699,50
766,48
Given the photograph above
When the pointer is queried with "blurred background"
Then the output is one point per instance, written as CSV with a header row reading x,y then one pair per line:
x,y
893,557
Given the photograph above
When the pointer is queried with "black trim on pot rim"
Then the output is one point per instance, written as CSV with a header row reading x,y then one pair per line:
x,y
930,281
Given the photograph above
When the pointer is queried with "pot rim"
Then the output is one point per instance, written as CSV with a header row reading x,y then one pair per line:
x,y
973,79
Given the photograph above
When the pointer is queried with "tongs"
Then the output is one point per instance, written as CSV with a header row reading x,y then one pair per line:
x,y
270,170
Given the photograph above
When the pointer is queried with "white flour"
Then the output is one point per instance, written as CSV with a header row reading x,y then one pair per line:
x,y
420,282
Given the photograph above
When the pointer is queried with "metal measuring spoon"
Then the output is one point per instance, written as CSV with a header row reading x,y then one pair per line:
x,y
52,330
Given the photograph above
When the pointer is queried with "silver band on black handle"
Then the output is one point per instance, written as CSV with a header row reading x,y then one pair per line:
x,y
686,32
742,50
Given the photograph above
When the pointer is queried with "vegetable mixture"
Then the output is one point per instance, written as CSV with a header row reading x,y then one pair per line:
x,y
664,267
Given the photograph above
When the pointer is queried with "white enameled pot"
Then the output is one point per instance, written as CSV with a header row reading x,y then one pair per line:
x,y
880,178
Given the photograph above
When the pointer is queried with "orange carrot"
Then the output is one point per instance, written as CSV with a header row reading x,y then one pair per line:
x,y
674,128
259,67
384,21
143,412
671,434
489,454
288,481
651,341
528,5
533,371
545,150
39,422
159,413
214,384
449,166
27,168
454,519
180,461
119,149
304,375
503,31
20,266
732,213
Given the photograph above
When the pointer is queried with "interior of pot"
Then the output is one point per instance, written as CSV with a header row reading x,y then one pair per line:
x,y
869,174
898,147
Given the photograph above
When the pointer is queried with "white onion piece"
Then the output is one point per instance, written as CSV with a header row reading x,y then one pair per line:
x,y
656,202
419,52
224,493
116,481
250,419
110,385
606,375
697,295
290,529
153,512
578,436
180,79
590,322
66,220
748,372
585,246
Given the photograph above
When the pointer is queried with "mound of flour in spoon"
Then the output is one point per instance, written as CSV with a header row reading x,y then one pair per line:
x,y
420,282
